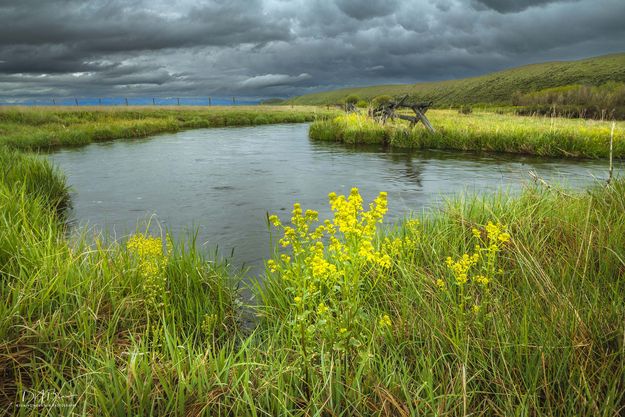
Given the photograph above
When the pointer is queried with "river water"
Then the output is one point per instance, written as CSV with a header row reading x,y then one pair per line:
x,y
222,182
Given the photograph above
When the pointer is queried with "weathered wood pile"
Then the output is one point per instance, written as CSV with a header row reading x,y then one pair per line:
x,y
389,110
351,108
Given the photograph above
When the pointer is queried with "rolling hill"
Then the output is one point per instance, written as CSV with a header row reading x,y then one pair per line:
x,y
496,88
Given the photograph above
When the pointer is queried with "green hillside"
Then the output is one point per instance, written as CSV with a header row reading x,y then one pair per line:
x,y
494,88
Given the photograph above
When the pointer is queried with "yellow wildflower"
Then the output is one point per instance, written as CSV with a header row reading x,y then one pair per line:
x,y
461,267
384,321
481,279
273,219
145,246
384,261
322,309
272,265
151,264
412,223
311,215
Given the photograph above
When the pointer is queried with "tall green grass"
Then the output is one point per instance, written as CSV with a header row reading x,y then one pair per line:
x,y
41,128
77,336
73,311
545,136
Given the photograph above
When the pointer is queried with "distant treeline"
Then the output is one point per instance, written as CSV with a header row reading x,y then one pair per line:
x,y
606,101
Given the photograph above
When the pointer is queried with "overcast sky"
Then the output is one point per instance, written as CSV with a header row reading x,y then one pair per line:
x,y
267,48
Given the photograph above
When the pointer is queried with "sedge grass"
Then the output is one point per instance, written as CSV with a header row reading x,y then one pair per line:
x,y
544,136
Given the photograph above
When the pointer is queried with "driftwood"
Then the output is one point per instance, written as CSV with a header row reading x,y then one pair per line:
x,y
388,111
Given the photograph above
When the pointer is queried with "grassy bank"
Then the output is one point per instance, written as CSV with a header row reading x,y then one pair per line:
x,y
497,88
482,132
47,127
351,322
74,316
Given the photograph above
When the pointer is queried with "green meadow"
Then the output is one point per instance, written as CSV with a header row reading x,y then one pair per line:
x,y
49,127
495,306
482,131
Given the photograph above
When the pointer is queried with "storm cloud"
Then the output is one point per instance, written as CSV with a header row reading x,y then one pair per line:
x,y
264,48
507,6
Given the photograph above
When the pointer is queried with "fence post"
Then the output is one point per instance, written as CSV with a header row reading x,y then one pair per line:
x,y
53,102
611,144
209,101
178,100
126,99
153,101
76,100
233,101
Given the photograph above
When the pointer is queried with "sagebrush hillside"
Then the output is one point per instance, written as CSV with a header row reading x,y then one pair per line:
x,y
495,88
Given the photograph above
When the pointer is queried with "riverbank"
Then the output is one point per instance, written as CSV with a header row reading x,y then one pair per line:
x,y
543,136
350,322
48,127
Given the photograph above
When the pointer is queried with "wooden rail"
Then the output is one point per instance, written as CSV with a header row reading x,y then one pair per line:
x,y
389,111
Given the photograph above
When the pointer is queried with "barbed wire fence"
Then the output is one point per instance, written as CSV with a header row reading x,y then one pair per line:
x,y
131,101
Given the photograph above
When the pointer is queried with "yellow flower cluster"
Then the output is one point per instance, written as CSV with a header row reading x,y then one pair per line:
x,y
460,268
497,233
403,246
396,246
384,321
481,279
350,217
272,265
357,227
319,266
496,237
322,309
329,263
484,260
145,246
151,264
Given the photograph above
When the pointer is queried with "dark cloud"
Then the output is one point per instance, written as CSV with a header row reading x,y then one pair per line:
x,y
362,10
512,6
118,25
282,48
